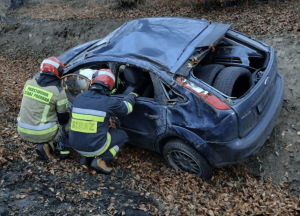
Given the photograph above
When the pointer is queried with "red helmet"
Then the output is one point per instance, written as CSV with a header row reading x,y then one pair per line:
x,y
105,76
52,65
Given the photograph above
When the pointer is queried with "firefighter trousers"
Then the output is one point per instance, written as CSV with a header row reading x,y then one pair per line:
x,y
118,140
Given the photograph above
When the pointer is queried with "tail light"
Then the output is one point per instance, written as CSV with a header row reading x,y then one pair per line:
x,y
205,95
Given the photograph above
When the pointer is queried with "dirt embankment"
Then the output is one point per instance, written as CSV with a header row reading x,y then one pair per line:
x,y
279,158
44,38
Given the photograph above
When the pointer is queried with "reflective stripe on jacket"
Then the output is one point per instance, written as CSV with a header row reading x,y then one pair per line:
x,y
37,121
90,120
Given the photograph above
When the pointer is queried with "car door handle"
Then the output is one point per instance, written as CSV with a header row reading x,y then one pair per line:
x,y
151,117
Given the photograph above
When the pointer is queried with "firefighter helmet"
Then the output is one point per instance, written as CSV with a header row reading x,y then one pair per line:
x,y
104,76
52,65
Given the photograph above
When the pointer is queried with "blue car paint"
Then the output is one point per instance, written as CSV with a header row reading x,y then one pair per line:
x,y
222,136
71,53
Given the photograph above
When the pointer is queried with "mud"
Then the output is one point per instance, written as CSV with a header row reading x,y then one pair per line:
x,y
280,156
26,190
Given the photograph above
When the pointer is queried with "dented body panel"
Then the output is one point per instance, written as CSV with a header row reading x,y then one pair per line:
x,y
224,131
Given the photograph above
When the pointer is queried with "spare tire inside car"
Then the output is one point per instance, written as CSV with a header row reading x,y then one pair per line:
x,y
233,81
208,73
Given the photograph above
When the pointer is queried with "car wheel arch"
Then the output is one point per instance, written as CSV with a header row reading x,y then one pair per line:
x,y
177,132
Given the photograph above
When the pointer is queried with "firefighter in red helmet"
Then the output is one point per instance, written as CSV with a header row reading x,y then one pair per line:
x,y
44,106
92,110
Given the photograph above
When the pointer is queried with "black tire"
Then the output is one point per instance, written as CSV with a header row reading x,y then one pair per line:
x,y
182,156
233,81
208,73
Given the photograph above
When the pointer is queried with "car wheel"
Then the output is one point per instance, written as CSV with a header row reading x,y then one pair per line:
x,y
182,156
233,81
208,73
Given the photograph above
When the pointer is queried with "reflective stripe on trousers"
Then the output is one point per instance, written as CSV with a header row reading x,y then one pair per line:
x,y
99,151
114,150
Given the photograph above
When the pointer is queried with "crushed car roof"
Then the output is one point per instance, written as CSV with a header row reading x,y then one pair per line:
x,y
166,41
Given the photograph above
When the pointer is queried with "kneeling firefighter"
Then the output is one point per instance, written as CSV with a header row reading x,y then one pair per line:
x,y
92,111
44,106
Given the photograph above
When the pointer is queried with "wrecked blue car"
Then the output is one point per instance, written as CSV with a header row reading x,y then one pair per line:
x,y
209,95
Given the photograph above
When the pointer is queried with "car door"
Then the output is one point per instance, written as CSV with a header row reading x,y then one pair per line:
x,y
148,119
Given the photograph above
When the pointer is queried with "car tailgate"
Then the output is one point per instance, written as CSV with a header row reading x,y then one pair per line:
x,y
252,107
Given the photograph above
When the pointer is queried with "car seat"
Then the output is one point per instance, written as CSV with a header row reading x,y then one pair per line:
x,y
135,78
148,91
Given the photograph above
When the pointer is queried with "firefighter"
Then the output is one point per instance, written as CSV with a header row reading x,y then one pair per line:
x,y
92,112
44,106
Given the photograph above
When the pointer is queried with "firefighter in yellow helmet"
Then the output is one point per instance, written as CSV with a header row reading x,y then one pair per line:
x,y
44,106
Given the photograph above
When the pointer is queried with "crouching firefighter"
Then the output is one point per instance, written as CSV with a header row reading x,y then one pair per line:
x,y
44,106
92,110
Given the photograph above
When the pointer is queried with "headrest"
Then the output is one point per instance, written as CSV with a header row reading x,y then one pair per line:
x,y
132,75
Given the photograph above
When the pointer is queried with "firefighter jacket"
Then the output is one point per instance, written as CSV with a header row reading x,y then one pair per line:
x,y
91,113
43,106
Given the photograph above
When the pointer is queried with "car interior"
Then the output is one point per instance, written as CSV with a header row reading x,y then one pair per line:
x,y
128,79
133,79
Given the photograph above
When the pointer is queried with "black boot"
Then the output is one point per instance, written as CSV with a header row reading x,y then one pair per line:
x,y
86,160
64,154
44,151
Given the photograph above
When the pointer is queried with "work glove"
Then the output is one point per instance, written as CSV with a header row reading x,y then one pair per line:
x,y
131,98
135,94
113,91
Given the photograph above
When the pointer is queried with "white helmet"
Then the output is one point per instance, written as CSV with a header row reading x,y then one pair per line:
x,y
87,73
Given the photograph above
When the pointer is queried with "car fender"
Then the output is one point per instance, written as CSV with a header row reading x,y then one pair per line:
x,y
188,136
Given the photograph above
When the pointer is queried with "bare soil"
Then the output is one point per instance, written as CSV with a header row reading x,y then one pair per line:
x,y
277,162
280,156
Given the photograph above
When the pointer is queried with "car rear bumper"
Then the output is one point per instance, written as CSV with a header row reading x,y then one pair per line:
x,y
238,150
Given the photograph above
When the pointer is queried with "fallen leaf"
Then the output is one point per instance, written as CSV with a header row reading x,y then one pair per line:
x,y
3,152
137,177
211,213
287,148
212,47
283,134
2,161
21,196
112,188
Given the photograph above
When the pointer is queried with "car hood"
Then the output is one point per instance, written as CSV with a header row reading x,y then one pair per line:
x,y
164,41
